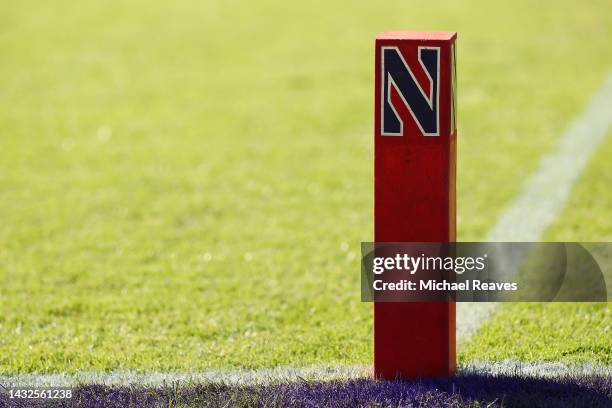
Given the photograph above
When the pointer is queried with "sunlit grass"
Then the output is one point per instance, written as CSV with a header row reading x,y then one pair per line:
x,y
185,185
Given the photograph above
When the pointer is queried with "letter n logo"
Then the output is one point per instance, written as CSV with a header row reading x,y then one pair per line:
x,y
423,104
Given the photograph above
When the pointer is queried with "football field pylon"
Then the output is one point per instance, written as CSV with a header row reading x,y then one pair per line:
x,y
415,137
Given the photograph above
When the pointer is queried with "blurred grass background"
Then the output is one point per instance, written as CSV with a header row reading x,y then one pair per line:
x,y
185,185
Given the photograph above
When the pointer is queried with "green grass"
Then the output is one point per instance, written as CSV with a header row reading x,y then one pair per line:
x,y
185,185
568,332
587,215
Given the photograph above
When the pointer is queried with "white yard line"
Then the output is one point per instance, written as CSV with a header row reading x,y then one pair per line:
x,y
227,376
545,192
294,374
529,215
470,316
535,369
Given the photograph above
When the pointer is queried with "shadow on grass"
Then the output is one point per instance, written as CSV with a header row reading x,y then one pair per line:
x,y
463,390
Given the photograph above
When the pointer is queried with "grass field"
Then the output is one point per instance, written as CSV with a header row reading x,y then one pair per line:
x,y
569,332
185,185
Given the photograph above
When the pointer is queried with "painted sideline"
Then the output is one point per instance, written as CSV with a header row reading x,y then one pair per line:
x,y
294,374
545,192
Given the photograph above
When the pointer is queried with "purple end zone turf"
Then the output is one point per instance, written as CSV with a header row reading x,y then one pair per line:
x,y
463,390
